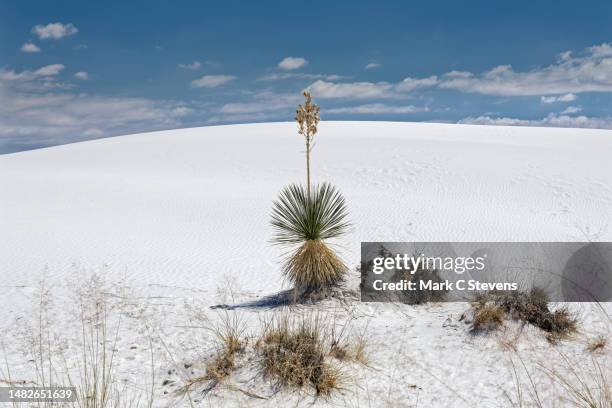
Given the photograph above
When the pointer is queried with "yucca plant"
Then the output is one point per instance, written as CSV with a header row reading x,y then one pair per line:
x,y
304,218
303,222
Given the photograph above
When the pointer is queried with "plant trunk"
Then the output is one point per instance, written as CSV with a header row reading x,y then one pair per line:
x,y
308,165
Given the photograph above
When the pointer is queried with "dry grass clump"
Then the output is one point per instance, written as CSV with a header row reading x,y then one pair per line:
x,y
489,317
584,390
293,354
559,324
229,335
339,351
581,385
359,351
597,344
221,366
529,307
345,347
74,341
350,351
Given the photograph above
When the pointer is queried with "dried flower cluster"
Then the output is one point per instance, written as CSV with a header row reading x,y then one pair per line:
x,y
307,118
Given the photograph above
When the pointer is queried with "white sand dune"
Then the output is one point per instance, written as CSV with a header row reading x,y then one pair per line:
x,y
186,208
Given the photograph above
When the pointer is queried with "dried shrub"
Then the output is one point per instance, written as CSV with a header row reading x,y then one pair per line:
x,y
597,344
221,366
530,307
560,324
358,350
293,354
339,351
345,345
230,342
349,349
230,333
328,381
489,317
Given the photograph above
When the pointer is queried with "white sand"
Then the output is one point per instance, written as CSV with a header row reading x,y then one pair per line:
x,y
183,211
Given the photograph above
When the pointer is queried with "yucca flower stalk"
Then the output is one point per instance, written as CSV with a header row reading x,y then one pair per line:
x,y
307,118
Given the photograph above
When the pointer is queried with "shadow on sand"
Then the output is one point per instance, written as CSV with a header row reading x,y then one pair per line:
x,y
283,298
292,297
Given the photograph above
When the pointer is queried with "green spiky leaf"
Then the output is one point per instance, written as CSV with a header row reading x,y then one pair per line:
x,y
298,217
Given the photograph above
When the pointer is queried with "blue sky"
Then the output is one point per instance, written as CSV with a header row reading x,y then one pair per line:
x,y
73,70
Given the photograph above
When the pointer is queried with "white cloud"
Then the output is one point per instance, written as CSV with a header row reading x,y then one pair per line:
x,y
458,74
602,50
36,109
377,108
355,90
564,56
365,90
32,119
82,75
561,98
54,31
552,120
291,63
47,84
93,132
570,110
590,72
566,98
270,105
373,65
278,76
409,84
193,66
46,71
241,118
181,111
211,81
262,106
263,102
30,47
49,70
